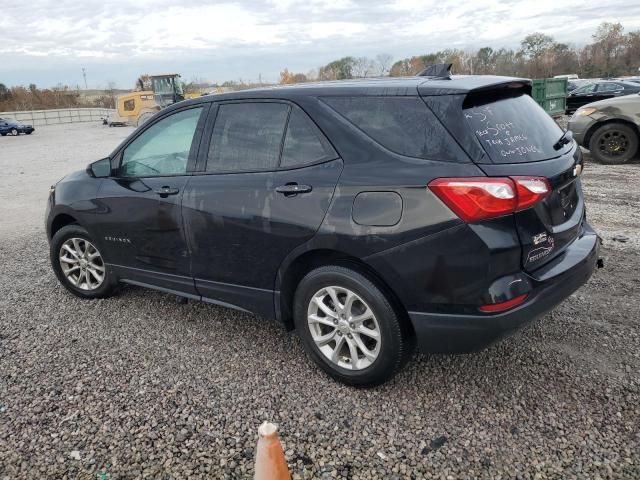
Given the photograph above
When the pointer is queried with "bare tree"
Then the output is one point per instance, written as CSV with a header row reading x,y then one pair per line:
x,y
362,67
384,61
609,39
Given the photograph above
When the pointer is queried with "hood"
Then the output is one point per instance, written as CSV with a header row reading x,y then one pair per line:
x,y
74,176
632,99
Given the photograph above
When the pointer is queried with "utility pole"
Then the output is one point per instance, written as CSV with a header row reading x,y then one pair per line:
x,y
84,74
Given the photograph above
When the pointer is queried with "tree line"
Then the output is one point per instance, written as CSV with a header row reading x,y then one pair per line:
x,y
61,96
611,53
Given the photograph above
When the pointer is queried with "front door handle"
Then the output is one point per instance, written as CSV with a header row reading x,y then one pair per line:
x,y
291,189
165,191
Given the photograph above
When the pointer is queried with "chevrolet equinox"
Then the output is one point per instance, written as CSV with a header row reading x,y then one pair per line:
x,y
371,216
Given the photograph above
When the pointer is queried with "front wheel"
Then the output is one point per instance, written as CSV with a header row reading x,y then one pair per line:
x,y
349,327
78,263
14,132
144,118
614,143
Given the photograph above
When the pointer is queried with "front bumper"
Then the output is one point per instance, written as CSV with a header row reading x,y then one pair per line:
x,y
579,126
552,283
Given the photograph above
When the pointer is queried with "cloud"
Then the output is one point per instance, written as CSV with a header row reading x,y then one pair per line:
x,y
43,39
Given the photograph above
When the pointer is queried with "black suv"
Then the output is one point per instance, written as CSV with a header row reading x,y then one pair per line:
x,y
368,215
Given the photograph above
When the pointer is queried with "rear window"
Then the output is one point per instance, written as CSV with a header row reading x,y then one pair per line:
x,y
513,129
404,125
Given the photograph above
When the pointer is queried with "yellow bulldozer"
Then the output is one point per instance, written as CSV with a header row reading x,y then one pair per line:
x,y
137,107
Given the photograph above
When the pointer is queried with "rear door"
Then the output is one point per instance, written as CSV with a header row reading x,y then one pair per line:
x,y
266,176
521,139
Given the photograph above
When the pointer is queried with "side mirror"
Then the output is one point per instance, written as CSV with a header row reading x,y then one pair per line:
x,y
100,168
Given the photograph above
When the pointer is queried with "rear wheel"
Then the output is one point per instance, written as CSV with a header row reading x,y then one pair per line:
x,y
614,143
142,119
78,263
349,327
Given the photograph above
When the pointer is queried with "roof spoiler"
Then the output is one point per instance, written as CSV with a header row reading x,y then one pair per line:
x,y
437,70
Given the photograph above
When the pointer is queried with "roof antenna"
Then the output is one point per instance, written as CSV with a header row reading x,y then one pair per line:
x,y
437,70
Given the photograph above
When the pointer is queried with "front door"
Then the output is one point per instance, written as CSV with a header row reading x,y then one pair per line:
x,y
262,193
140,219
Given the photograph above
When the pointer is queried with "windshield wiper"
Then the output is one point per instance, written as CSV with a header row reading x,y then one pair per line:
x,y
567,137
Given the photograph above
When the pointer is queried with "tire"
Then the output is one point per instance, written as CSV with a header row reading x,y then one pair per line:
x,y
144,118
14,132
75,237
614,143
386,355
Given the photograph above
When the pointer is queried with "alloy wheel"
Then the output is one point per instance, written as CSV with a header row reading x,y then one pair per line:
x,y
613,144
82,264
344,328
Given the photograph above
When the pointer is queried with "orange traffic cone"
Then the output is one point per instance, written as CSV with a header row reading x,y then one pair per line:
x,y
270,461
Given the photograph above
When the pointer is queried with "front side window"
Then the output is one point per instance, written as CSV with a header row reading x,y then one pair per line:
x,y
304,144
247,137
163,148
589,88
404,125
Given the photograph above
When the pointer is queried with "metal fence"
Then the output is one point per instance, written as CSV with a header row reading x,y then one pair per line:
x,y
54,117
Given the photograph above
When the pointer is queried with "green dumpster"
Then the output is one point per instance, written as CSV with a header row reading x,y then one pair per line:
x,y
551,94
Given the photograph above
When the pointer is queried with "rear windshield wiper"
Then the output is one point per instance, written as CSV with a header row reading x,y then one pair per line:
x,y
567,137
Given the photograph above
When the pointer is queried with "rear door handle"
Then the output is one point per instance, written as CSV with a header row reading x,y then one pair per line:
x,y
291,189
165,191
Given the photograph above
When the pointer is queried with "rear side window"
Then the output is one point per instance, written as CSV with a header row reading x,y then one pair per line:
x,y
404,125
304,144
513,129
247,137
609,87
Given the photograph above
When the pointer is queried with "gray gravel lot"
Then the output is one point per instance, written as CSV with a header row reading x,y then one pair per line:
x,y
141,386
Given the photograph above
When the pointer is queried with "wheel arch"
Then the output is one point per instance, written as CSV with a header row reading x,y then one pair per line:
x,y
596,126
61,220
290,275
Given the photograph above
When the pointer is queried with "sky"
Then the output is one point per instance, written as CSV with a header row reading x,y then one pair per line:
x,y
49,42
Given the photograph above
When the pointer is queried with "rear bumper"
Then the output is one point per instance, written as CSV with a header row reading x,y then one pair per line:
x,y
552,283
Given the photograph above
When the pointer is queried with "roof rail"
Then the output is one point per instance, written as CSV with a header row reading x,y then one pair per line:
x,y
437,70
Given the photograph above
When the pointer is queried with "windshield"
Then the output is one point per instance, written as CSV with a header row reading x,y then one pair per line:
x,y
513,129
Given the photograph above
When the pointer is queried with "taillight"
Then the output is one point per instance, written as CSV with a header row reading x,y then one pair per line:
x,y
531,190
479,198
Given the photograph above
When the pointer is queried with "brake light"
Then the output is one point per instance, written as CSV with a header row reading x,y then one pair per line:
x,y
502,306
531,190
479,198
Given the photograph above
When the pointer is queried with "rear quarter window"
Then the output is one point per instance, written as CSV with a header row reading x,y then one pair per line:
x,y
513,129
404,125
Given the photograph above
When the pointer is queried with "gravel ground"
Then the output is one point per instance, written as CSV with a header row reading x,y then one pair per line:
x,y
141,386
